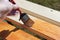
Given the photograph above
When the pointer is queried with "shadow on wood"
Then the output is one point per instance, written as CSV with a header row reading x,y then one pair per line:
x,y
5,33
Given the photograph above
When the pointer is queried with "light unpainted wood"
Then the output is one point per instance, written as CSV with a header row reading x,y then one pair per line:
x,y
6,32
41,28
41,17
40,11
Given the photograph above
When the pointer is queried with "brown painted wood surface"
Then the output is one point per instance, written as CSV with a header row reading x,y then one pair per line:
x,y
42,28
50,31
7,33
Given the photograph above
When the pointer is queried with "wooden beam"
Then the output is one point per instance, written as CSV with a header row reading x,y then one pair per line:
x,y
41,17
9,32
39,11
21,35
41,28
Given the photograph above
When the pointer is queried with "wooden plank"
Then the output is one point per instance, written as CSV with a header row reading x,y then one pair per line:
x,y
40,11
5,26
9,32
42,17
50,30
21,35
41,28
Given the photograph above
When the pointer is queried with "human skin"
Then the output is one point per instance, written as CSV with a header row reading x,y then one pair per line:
x,y
5,12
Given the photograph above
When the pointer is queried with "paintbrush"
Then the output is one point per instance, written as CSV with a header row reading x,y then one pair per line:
x,y
26,20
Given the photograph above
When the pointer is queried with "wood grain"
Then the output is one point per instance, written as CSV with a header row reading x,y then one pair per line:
x,y
41,28
7,33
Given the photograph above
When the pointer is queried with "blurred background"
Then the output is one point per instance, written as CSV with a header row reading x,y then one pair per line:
x,y
54,4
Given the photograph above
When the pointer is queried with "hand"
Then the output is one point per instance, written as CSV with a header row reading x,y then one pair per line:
x,y
12,1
